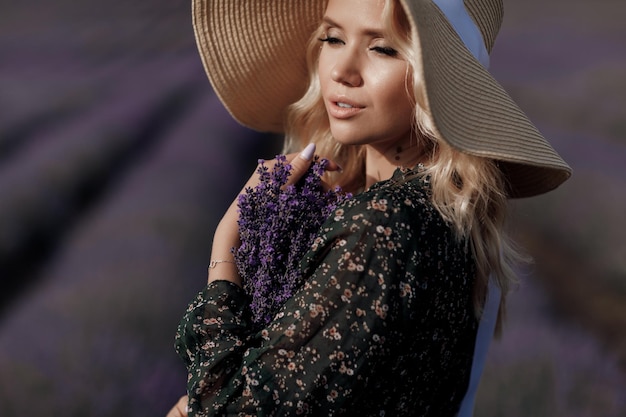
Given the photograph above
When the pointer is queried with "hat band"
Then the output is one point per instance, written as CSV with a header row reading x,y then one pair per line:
x,y
466,28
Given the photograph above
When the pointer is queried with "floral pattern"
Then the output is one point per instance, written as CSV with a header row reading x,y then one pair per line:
x,y
382,325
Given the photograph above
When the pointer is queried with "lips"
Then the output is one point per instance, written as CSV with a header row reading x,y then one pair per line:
x,y
341,107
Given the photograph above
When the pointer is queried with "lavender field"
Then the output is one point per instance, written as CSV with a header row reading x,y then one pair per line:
x,y
116,162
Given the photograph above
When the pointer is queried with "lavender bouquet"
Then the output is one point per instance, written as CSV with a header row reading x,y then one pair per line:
x,y
277,226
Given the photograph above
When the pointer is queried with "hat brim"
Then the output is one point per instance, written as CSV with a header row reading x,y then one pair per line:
x,y
253,53
474,114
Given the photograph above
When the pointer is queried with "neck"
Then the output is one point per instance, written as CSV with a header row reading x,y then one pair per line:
x,y
381,162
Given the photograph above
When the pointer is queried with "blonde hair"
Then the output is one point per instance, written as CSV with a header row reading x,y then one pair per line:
x,y
468,191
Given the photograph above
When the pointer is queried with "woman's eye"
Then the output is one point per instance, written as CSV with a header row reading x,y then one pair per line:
x,y
331,40
385,50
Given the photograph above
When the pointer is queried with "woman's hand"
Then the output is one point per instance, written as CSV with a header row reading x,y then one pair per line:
x,y
227,233
180,409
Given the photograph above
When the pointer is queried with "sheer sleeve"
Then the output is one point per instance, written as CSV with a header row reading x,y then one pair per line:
x,y
382,324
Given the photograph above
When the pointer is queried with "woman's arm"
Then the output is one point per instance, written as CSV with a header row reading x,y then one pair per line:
x,y
226,235
343,333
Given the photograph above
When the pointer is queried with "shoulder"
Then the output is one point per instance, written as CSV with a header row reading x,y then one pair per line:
x,y
403,200
394,216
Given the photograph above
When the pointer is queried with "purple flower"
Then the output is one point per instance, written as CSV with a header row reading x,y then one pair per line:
x,y
277,227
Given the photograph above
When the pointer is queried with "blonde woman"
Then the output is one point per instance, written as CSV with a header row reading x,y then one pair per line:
x,y
404,275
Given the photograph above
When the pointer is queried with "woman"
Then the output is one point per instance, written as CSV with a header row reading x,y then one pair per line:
x,y
396,93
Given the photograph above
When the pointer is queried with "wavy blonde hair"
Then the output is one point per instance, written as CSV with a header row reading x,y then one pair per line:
x,y
468,191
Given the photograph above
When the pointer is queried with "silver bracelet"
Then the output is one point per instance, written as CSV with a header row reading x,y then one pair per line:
x,y
214,262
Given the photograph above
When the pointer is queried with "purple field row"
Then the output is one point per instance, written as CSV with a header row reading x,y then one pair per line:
x,y
114,149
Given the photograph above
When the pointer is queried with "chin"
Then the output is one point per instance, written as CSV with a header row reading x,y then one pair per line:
x,y
349,138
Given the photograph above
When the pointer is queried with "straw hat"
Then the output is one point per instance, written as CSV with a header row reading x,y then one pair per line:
x,y
254,54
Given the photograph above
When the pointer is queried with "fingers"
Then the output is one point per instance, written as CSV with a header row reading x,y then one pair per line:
x,y
180,409
301,163
333,166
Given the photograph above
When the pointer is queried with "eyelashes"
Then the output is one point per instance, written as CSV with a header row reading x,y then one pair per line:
x,y
331,41
383,50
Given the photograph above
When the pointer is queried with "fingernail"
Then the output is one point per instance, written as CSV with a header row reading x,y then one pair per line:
x,y
307,153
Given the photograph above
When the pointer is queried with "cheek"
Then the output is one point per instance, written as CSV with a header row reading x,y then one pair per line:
x,y
391,88
396,108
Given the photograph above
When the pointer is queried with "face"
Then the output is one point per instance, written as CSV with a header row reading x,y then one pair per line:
x,y
363,78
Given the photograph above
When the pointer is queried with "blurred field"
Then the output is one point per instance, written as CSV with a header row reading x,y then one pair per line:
x,y
116,161
572,86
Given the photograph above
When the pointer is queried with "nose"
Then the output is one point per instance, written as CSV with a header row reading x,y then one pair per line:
x,y
346,70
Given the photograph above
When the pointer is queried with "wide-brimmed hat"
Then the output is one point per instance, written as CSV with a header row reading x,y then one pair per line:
x,y
254,54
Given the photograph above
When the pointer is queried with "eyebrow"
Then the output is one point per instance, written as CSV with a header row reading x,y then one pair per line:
x,y
374,33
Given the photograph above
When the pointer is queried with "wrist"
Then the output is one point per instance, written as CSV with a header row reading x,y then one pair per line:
x,y
222,264
223,270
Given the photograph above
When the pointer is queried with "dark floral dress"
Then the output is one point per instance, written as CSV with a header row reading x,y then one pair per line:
x,y
383,324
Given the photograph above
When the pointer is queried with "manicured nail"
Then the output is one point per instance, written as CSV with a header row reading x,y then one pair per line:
x,y
307,153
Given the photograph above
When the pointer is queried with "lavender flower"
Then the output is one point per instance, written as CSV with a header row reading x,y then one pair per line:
x,y
277,227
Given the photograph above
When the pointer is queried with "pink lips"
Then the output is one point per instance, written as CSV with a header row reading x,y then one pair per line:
x,y
342,108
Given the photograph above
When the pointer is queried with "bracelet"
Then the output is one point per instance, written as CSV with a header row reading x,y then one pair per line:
x,y
214,262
